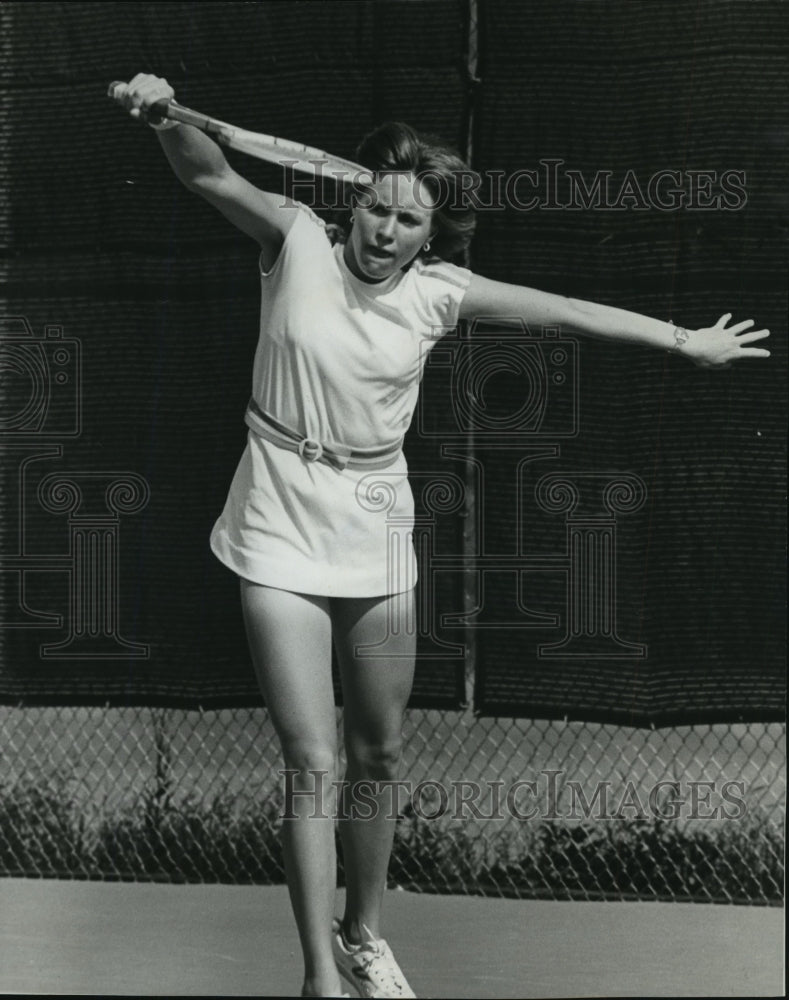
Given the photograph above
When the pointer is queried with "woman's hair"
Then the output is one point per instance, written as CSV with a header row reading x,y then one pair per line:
x,y
396,147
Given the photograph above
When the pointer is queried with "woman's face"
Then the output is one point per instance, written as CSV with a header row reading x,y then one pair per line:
x,y
393,218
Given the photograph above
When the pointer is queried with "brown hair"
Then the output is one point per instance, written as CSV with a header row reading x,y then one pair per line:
x,y
395,146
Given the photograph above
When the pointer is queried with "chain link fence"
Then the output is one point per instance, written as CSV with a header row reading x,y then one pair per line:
x,y
505,807
510,807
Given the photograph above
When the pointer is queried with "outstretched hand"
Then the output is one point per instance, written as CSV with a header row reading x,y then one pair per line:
x,y
717,346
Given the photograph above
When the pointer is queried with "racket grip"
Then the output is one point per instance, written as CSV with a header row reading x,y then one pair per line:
x,y
156,113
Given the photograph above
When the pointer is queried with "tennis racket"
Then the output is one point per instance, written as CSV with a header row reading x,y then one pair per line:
x,y
270,148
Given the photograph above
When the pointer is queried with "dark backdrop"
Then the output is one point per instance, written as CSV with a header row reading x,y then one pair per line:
x,y
159,297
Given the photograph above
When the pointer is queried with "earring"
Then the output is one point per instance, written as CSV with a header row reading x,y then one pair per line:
x,y
352,218
426,247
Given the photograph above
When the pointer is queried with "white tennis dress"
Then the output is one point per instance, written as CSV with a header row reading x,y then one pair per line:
x,y
339,361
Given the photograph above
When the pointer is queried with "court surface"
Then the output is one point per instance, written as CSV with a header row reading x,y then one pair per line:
x,y
92,938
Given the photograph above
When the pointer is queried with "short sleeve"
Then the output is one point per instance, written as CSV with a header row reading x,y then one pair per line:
x,y
440,287
307,228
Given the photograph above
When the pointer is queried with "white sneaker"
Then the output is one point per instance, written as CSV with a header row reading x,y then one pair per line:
x,y
370,966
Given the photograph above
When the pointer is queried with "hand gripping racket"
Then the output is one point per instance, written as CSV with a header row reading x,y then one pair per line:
x,y
264,147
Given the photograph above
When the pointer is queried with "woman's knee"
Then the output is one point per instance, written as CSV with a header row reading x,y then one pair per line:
x,y
377,759
307,757
310,780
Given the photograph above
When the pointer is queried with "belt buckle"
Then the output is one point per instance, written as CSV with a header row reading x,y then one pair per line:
x,y
310,450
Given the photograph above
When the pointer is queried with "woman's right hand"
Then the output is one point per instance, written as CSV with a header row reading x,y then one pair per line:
x,y
200,165
141,92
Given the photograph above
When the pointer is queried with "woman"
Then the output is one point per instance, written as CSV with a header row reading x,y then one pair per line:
x,y
335,381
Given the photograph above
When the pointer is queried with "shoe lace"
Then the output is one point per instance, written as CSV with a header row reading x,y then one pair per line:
x,y
376,950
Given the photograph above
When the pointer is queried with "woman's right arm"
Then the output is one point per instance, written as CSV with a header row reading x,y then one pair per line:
x,y
200,165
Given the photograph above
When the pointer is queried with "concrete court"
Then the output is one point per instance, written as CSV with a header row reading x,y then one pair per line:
x,y
68,937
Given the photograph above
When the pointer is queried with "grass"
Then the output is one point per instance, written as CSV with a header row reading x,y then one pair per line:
x,y
43,832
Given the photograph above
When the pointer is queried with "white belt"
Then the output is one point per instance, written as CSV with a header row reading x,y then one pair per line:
x,y
337,455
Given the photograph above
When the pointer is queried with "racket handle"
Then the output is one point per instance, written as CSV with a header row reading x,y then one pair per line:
x,y
156,113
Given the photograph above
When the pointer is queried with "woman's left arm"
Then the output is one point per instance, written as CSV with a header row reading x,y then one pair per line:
x,y
711,347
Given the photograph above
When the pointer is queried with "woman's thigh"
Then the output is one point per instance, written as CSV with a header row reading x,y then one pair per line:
x,y
289,637
375,639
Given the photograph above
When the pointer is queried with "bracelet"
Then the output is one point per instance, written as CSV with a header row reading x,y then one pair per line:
x,y
681,336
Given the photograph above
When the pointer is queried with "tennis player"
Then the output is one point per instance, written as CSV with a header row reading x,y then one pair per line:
x,y
343,326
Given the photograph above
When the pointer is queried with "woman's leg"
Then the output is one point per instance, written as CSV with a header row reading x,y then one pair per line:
x,y
290,641
376,685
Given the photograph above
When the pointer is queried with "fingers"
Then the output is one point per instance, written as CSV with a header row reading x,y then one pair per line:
x,y
747,338
121,94
141,92
739,327
746,352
